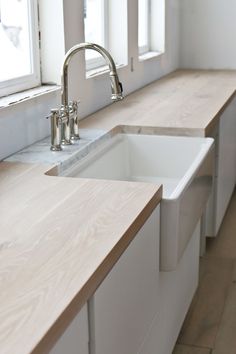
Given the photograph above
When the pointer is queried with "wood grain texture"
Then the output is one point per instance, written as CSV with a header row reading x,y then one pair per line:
x,y
225,340
59,238
186,102
184,349
203,319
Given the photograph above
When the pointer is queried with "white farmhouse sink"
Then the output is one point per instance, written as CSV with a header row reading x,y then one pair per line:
x,y
182,164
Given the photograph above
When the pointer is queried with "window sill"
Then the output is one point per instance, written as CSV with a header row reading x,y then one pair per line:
x,y
16,98
101,70
150,55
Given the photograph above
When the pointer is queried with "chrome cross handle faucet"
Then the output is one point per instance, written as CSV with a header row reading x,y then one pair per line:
x,y
64,121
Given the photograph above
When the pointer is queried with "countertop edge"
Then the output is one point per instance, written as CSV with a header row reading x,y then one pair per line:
x,y
210,127
63,321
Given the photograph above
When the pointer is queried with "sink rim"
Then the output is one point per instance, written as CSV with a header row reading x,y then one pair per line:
x,y
99,149
174,236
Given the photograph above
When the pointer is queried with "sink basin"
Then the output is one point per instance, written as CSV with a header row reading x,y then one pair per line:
x,y
183,165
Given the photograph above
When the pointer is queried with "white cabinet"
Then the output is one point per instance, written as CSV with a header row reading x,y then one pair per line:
x,y
225,163
124,306
75,339
176,292
225,181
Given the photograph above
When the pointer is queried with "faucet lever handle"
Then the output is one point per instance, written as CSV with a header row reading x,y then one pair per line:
x,y
74,120
121,86
56,121
53,112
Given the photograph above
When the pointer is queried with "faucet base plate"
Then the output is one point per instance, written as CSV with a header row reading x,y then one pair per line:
x,y
66,142
56,148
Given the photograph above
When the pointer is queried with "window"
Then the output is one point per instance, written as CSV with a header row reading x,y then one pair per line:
x,y
96,29
143,26
19,60
105,23
151,27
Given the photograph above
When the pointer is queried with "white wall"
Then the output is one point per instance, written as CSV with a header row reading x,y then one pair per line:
x,y
207,32
25,123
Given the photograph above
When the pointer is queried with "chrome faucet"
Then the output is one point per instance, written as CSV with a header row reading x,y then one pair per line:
x,y
64,121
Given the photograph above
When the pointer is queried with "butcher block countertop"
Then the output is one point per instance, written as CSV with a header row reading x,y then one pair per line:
x,y
60,236
185,102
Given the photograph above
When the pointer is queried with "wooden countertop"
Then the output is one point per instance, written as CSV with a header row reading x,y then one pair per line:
x,y
61,236
186,102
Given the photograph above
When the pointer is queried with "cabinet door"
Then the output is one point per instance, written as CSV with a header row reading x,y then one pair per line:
x,y
75,338
225,179
124,306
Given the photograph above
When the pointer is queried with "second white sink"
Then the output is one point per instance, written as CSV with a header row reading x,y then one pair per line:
x,y
182,164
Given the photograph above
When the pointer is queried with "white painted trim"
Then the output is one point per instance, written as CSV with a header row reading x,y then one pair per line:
x,y
26,95
33,79
149,55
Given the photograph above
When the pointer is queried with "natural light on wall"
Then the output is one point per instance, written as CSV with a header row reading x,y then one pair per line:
x,y
17,43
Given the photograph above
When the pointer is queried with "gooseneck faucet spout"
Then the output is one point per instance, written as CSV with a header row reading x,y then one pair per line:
x,y
70,130
67,116
116,86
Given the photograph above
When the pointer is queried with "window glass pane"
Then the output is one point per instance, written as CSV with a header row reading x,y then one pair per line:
x,y
15,58
143,25
94,25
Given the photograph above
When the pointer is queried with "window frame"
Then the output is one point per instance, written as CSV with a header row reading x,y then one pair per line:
x,y
34,79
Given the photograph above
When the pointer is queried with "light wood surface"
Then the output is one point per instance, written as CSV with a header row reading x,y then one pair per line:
x,y
59,238
186,102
